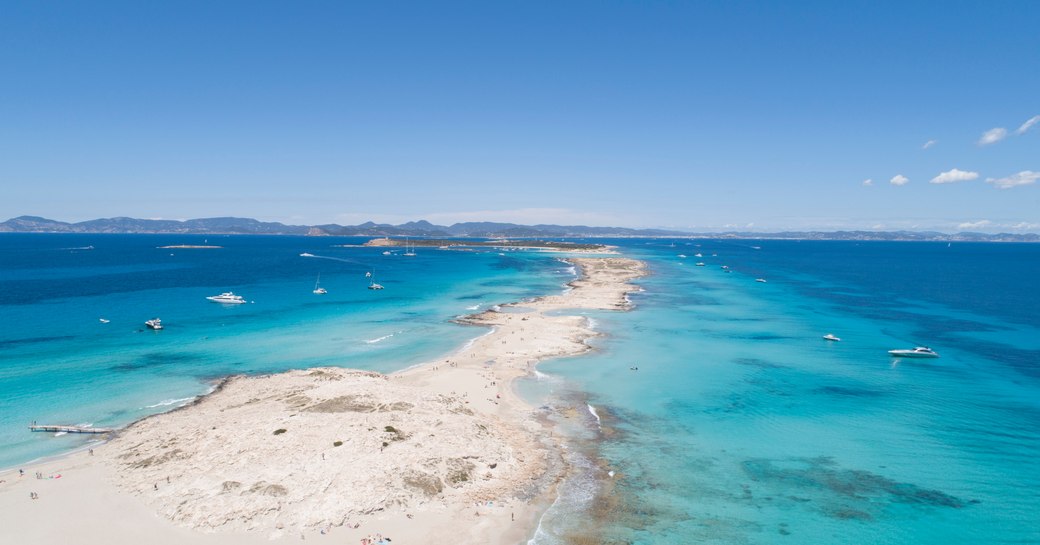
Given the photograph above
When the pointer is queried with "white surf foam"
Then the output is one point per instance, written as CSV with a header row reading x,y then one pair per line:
x,y
592,411
168,402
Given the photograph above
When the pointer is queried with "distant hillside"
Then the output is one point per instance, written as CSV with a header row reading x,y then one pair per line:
x,y
247,226
422,228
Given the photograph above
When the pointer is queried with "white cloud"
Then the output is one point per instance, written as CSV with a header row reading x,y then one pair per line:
x,y
1023,226
1028,124
974,224
929,144
868,182
1025,177
954,175
992,136
899,179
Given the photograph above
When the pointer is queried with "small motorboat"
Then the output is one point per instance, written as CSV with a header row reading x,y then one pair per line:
x,y
104,321
831,337
918,352
762,280
154,323
374,286
700,263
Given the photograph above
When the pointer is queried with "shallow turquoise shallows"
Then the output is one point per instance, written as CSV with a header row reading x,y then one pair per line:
x,y
59,364
743,425
723,413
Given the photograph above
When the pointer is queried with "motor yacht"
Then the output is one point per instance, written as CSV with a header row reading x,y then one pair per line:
x,y
227,298
919,352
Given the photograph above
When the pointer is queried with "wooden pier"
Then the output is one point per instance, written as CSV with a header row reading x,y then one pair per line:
x,y
70,429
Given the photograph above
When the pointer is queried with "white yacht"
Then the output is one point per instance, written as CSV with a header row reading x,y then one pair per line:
x,y
698,254
374,286
700,263
227,298
762,280
154,323
104,321
831,337
919,352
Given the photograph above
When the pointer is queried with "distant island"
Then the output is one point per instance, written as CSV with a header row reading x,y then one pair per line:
x,y
427,230
497,243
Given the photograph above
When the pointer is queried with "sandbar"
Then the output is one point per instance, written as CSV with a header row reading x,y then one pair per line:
x,y
441,452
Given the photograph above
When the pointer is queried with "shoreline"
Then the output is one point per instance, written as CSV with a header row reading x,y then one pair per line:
x,y
471,393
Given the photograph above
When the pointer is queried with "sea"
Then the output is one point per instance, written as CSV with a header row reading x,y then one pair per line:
x,y
712,412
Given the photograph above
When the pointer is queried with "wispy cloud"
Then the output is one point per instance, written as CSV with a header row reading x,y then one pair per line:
x,y
868,182
954,175
899,179
974,224
1025,177
929,144
1028,124
992,136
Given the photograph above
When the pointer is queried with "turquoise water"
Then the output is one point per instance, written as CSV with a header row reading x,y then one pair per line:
x,y
60,364
742,425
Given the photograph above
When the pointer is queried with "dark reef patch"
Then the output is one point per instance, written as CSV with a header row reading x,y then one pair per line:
x,y
845,494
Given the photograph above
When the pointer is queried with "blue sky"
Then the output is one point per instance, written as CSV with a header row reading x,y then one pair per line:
x,y
700,115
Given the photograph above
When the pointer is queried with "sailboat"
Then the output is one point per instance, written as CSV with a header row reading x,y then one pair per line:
x,y
373,285
408,250
317,286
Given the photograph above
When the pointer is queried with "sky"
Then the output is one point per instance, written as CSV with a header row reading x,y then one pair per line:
x,y
684,115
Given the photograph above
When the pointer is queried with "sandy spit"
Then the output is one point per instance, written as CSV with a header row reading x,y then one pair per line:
x,y
442,452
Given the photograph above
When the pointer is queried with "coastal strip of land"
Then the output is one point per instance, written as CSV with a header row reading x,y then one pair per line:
x,y
502,244
441,452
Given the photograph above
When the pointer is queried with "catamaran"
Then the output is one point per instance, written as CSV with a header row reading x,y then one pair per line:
x,y
317,286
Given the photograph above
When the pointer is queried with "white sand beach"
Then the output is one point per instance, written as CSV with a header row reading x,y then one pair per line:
x,y
442,452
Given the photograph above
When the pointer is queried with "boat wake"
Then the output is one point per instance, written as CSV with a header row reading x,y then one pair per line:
x,y
379,339
330,258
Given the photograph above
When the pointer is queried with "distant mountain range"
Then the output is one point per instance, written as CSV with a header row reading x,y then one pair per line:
x,y
247,226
